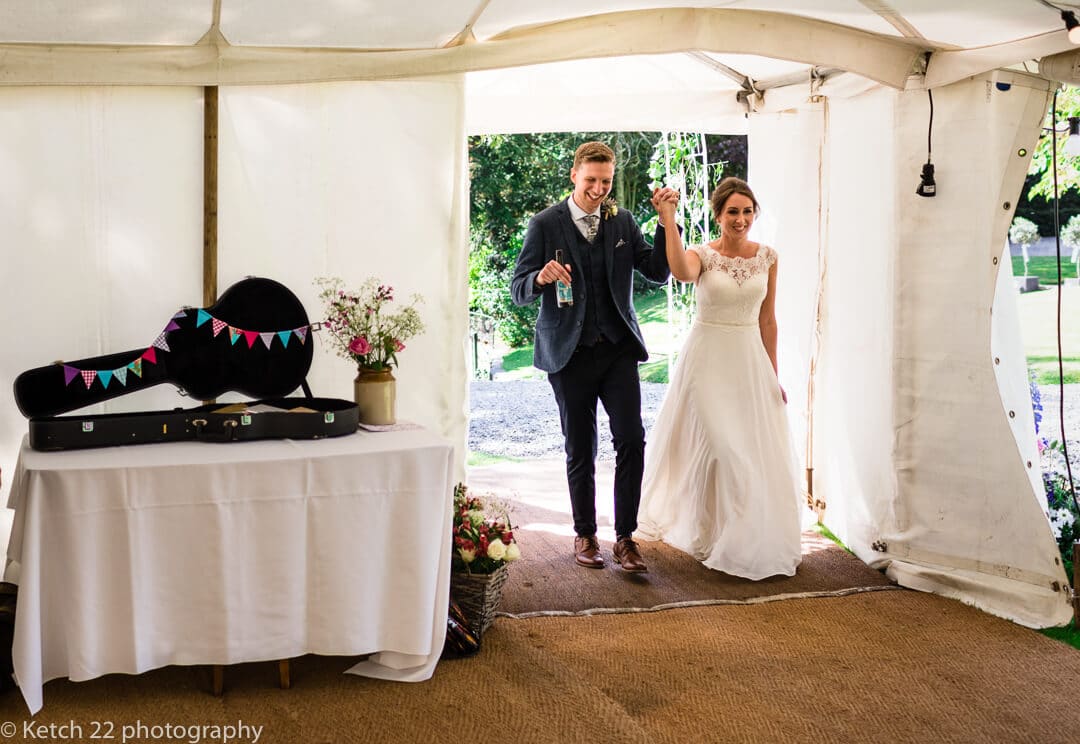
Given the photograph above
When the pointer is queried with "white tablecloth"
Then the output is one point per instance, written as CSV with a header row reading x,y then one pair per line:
x,y
133,558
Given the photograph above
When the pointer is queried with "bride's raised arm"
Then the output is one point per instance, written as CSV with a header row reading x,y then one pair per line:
x,y
685,265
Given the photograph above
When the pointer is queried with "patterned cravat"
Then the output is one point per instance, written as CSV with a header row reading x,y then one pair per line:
x,y
591,226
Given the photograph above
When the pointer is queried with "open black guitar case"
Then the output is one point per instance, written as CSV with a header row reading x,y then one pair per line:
x,y
255,340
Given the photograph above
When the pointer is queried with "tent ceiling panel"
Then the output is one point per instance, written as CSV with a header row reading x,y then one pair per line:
x,y
372,24
967,25
759,68
105,21
564,96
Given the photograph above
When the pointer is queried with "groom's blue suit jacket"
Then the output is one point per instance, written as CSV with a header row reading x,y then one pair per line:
x,y
558,330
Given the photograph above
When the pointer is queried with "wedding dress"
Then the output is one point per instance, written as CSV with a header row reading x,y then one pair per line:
x,y
720,477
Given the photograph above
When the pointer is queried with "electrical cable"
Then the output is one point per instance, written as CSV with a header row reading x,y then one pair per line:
x,y
930,129
1061,366
927,185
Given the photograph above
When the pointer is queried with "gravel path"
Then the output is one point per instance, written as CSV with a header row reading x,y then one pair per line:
x,y
519,418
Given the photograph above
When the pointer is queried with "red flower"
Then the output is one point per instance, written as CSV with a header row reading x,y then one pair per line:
x,y
360,346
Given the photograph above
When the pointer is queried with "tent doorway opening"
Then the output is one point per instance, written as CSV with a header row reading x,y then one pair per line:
x,y
515,441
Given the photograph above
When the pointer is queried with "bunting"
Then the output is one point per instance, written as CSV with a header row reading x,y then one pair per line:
x,y
202,317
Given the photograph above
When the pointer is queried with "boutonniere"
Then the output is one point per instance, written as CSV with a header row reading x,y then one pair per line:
x,y
609,208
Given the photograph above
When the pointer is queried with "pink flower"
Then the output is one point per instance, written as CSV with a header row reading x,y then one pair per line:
x,y
360,346
398,346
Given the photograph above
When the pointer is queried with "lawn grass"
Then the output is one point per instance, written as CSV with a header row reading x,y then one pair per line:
x,y
483,458
1045,369
1045,267
1070,634
1038,323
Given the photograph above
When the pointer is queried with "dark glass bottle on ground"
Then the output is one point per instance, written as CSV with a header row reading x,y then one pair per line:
x,y
563,293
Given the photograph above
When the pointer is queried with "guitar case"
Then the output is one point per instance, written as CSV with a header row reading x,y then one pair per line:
x,y
255,340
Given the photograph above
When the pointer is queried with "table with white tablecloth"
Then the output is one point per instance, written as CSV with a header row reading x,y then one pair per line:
x,y
133,558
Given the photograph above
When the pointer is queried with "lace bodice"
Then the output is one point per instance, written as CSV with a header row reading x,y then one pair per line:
x,y
730,289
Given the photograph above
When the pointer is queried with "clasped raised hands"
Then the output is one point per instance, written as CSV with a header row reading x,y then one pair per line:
x,y
664,201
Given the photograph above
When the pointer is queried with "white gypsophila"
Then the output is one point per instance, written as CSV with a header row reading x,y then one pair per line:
x,y
1061,517
496,550
513,552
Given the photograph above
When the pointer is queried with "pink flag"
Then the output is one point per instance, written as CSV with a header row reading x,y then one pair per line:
x,y
150,355
219,325
250,337
88,376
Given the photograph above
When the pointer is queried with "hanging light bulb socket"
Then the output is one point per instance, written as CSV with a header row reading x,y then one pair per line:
x,y
927,187
1071,25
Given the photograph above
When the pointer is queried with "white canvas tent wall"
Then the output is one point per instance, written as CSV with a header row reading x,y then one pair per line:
x,y
342,132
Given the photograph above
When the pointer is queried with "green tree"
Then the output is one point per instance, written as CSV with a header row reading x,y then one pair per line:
x,y
1068,170
1036,198
512,178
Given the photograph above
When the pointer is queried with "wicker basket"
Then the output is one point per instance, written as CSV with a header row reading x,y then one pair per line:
x,y
478,595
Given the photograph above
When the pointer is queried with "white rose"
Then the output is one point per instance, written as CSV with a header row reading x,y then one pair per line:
x,y
467,555
496,550
513,552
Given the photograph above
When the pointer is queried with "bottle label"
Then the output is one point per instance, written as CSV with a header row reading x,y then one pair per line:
x,y
564,294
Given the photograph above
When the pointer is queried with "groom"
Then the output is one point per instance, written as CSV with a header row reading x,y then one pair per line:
x,y
591,348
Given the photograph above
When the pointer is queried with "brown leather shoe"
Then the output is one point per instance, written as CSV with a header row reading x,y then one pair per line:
x,y
587,552
626,555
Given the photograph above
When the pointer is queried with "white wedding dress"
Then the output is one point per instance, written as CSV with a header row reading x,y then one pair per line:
x,y
720,477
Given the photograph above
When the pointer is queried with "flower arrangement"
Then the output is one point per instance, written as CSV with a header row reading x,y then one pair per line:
x,y
362,327
483,539
609,208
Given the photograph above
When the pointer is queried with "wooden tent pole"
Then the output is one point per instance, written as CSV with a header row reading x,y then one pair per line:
x,y
210,194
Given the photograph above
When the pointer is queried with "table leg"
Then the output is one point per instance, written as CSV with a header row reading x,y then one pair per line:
x,y
283,674
219,679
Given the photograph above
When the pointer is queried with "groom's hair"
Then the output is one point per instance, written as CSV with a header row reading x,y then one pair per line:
x,y
593,152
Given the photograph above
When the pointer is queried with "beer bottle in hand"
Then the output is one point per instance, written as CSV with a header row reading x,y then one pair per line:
x,y
563,293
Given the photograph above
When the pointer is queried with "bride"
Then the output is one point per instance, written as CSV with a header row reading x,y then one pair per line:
x,y
720,475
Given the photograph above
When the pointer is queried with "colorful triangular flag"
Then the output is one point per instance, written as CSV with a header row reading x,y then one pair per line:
x,y
161,343
173,326
234,333
301,332
181,314
70,373
121,375
218,326
267,339
202,317
136,367
150,355
284,336
88,376
250,337
105,375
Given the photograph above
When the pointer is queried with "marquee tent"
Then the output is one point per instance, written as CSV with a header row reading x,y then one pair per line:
x,y
341,142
